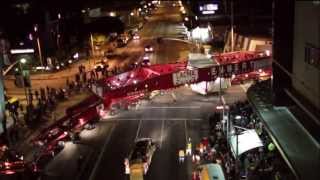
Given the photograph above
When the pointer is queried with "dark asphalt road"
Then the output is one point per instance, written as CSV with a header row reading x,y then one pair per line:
x,y
170,124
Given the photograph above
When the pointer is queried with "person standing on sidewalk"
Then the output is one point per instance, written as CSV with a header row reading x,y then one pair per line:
x,y
30,96
80,69
48,91
189,148
36,93
181,156
42,94
84,69
84,78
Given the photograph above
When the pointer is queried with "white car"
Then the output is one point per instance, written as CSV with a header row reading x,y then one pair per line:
x,y
146,57
148,49
136,37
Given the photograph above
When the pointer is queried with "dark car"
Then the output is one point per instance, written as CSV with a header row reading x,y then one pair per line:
x,y
99,65
121,43
148,49
110,54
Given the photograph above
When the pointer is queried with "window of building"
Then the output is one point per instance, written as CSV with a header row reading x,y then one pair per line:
x,y
312,55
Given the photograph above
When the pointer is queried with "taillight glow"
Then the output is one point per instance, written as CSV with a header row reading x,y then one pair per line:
x,y
81,121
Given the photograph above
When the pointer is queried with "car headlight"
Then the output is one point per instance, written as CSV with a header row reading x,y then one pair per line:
x,y
61,144
39,143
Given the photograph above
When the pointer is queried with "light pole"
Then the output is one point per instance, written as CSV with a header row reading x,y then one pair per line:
x,y
92,47
24,61
38,44
130,15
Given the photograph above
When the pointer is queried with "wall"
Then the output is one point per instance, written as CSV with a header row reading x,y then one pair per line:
x,y
246,43
306,30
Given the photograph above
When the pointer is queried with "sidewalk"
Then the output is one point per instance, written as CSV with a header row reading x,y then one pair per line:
x,y
26,134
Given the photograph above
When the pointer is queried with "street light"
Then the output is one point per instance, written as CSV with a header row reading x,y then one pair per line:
x,y
24,61
129,16
112,14
35,28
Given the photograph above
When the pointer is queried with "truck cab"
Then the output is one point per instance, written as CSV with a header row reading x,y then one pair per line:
x,y
140,158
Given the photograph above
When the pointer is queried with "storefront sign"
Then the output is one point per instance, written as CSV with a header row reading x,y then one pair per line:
x,y
185,77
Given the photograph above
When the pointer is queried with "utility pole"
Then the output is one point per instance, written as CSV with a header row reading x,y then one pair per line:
x,y
232,22
35,28
92,49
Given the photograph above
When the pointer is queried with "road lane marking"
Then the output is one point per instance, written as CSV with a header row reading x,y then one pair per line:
x,y
161,135
138,130
223,100
171,107
186,130
98,162
243,88
155,119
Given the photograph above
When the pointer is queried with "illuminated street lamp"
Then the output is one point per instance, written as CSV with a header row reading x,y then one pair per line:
x,y
129,17
112,14
24,61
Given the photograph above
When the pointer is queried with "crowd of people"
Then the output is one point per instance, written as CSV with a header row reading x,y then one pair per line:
x,y
42,102
263,163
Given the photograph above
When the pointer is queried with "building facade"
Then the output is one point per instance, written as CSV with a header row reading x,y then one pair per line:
x,y
296,53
